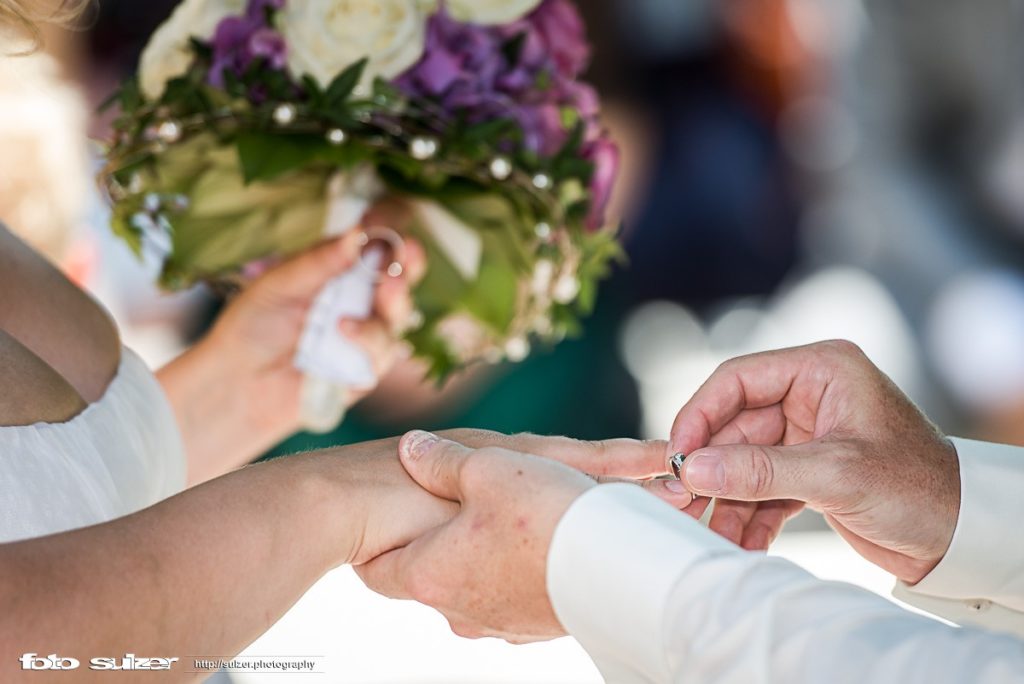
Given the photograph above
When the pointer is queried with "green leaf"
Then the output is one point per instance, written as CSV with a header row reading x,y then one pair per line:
x,y
266,156
386,95
441,286
112,99
574,142
130,95
233,85
573,167
492,298
120,222
488,131
342,86
544,80
441,363
345,156
513,48
570,117
313,90
201,49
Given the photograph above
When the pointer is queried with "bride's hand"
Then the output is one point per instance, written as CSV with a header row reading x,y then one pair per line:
x,y
237,392
266,321
375,505
391,510
614,460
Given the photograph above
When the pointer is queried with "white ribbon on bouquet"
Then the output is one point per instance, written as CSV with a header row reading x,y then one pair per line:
x,y
332,364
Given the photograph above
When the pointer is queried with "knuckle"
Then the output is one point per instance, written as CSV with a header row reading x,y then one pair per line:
x,y
464,630
845,349
726,367
474,472
424,588
761,472
596,448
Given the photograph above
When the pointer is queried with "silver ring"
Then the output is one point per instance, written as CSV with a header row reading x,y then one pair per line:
x,y
394,240
677,465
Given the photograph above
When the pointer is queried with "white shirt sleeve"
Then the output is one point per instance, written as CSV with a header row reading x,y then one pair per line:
x,y
654,597
980,580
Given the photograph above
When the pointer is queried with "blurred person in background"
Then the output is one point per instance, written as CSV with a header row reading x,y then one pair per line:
x,y
45,168
883,205
908,139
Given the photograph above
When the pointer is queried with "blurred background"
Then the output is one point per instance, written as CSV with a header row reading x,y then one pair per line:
x,y
795,170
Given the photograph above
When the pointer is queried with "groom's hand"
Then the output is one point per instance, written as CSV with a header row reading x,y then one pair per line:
x,y
485,570
821,425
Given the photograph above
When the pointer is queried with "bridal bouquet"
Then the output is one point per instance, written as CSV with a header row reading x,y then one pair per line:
x,y
256,128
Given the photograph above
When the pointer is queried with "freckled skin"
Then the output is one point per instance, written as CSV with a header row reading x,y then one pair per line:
x,y
486,570
821,425
494,583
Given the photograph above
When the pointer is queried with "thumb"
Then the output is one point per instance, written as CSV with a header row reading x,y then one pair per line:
x,y
748,472
304,275
434,463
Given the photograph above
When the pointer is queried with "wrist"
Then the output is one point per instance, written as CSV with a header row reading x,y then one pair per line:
x,y
948,499
312,502
264,386
332,506
211,396
941,512
192,383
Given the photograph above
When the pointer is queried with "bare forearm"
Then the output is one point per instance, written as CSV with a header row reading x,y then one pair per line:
x,y
203,573
226,415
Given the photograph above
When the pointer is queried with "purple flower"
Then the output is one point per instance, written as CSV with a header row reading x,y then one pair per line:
x,y
473,70
557,28
240,41
604,155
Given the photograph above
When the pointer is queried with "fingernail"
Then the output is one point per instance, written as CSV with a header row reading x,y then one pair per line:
x,y
417,443
676,487
705,473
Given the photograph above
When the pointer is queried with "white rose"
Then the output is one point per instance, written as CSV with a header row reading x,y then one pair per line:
x,y
168,54
490,11
325,37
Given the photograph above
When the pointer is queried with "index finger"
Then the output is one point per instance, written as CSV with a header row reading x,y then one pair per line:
x,y
630,458
744,383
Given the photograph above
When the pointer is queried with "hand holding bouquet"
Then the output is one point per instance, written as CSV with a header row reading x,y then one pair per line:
x,y
256,129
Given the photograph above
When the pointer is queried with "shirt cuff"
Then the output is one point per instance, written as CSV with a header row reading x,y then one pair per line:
x,y
984,562
614,560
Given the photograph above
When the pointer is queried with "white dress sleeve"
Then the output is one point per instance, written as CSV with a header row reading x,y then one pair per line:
x,y
655,597
980,580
